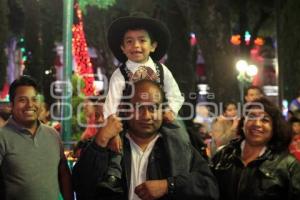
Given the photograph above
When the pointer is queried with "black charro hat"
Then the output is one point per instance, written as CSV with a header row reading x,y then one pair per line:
x,y
156,28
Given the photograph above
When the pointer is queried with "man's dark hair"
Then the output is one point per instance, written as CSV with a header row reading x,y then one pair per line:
x,y
282,133
21,81
253,87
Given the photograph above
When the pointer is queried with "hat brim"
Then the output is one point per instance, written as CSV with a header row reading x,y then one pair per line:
x,y
118,28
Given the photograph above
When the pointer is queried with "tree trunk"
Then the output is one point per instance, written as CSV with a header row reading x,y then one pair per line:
x,y
33,64
288,26
3,39
51,32
180,60
212,25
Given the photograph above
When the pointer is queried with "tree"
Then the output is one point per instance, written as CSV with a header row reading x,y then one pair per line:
x,y
34,66
50,33
288,28
96,22
212,24
3,39
83,4
180,58
16,17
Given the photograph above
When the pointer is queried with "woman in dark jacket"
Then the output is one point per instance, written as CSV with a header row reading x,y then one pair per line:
x,y
258,166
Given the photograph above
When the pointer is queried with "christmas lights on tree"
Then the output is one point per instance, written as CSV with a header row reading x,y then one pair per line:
x,y
80,53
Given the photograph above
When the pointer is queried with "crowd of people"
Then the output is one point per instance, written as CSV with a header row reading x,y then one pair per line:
x,y
142,151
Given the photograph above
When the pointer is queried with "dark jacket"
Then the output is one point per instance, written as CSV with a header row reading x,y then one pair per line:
x,y
272,176
170,157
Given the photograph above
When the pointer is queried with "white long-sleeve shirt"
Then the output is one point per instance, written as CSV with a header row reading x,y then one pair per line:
x,y
117,85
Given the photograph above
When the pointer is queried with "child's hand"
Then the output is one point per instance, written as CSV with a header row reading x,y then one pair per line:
x,y
169,116
115,144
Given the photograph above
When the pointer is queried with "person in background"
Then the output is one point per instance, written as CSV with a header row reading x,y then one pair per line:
x,y
32,161
289,115
45,117
252,93
199,136
4,115
44,114
224,128
93,111
295,104
295,144
258,165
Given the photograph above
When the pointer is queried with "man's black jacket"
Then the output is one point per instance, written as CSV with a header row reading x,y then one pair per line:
x,y
171,157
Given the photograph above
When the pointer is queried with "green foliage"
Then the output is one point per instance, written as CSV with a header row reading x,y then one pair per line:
x,y
77,99
102,4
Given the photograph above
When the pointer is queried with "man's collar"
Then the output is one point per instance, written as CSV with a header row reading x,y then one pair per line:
x,y
15,125
151,143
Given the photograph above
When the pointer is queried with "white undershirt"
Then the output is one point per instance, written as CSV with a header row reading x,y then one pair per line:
x,y
139,164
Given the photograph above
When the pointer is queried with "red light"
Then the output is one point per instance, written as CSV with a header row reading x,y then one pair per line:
x,y
80,52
